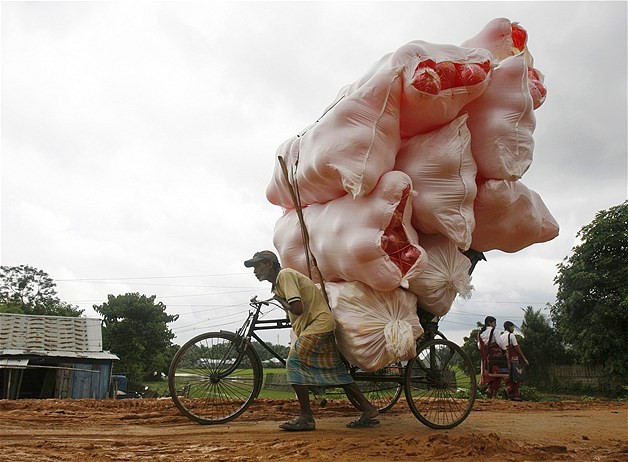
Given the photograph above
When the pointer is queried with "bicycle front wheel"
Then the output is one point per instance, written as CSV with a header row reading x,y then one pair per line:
x,y
214,377
440,384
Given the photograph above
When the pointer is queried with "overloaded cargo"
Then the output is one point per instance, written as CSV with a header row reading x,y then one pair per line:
x,y
417,161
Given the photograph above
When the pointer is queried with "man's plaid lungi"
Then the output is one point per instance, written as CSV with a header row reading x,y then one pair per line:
x,y
315,360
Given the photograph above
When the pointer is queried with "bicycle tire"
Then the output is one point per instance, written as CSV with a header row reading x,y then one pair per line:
x,y
440,384
211,380
382,394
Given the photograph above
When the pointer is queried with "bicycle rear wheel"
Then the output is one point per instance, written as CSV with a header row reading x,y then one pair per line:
x,y
440,384
214,377
383,394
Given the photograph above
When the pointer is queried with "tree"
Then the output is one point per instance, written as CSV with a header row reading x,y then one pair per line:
x,y
135,328
541,344
591,309
470,346
28,290
265,355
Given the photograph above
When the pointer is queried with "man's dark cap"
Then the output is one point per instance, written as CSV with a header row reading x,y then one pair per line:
x,y
264,255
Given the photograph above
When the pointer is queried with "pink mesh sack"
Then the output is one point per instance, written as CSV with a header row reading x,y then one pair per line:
x,y
510,217
502,123
443,172
368,239
502,38
348,149
438,80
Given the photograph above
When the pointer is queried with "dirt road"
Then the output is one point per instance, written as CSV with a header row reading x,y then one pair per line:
x,y
153,430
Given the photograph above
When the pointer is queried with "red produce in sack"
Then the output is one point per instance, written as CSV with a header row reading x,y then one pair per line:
x,y
536,87
427,63
446,71
519,36
408,256
502,38
426,80
421,109
469,74
534,74
395,241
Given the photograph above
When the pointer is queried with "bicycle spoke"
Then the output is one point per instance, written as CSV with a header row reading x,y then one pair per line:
x,y
210,382
440,384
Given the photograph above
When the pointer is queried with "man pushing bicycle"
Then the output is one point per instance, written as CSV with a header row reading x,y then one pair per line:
x,y
314,359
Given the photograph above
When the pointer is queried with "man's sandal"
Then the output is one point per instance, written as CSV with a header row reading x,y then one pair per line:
x,y
363,422
298,424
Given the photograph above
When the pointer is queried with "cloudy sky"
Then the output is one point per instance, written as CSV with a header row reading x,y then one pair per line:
x,y
138,138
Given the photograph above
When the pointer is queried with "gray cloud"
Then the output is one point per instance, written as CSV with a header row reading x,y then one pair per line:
x,y
138,138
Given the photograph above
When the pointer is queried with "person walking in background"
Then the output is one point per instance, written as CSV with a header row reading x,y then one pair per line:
x,y
494,360
314,359
515,358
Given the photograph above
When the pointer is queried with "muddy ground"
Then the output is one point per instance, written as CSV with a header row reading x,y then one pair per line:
x,y
154,430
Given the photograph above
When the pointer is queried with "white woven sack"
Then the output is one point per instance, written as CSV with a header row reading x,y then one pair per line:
x,y
374,329
445,277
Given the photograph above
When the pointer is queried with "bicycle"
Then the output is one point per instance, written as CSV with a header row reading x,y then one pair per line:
x,y
215,376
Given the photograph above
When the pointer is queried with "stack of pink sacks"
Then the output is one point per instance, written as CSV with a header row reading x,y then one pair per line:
x,y
414,163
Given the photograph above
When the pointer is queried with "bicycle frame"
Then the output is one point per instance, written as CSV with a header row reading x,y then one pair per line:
x,y
253,324
218,393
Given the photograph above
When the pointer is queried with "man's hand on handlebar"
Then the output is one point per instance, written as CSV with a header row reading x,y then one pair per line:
x,y
282,302
255,301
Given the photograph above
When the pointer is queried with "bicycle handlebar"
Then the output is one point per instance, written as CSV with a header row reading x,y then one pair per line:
x,y
255,301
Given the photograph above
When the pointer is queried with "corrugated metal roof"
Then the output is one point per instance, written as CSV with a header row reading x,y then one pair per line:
x,y
60,354
13,363
51,336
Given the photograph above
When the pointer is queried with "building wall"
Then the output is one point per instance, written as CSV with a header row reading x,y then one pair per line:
x,y
60,379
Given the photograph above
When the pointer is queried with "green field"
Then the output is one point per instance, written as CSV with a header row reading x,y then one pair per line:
x,y
159,389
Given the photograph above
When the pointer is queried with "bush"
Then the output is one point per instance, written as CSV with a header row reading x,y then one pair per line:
x,y
530,394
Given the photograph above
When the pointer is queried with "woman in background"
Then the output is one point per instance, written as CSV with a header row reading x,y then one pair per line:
x,y
491,345
515,356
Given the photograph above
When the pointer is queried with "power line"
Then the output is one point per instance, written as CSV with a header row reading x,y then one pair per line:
x,y
152,277
143,284
171,296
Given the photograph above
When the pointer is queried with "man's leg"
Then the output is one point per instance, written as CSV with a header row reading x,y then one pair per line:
x,y
303,395
305,421
368,410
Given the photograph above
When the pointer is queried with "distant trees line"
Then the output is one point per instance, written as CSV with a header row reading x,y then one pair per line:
x,y
587,324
